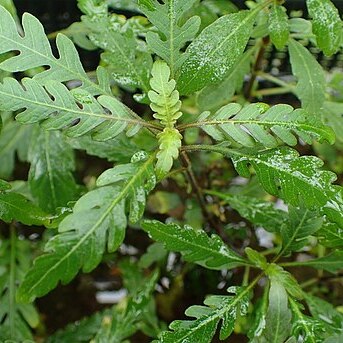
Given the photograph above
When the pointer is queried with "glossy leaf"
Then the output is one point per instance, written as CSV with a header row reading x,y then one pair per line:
x,y
253,125
327,25
311,81
214,52
194,245
302,223
15,207
278,26
172,36
35,51
308,329
217,95
224,309
129,66
97,224
297,180
77,112
50,177
258,212
166,105
278,318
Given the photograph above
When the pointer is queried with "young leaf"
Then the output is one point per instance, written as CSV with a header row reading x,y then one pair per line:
x,y
166,105
253,125
258,212
278,318
50,177
202,329
308,329
171,36
297,180
16,207
98,223
194,245
214,96
214,52
301,224
16,319
327,25
278,26
77,112
35,51
331,263
129,66
311,81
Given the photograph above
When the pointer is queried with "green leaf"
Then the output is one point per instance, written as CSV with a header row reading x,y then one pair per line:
x,y
35,51
77,112
50,177
129,66
16,319
297,180
202,329
98,223
306,329
302,223
331,235
278,26
257,211
325,312
171,36
331,263
16,207
214,96
253,125
332,116
166,105
256,258
311,81
195,245
278,318
327,25
14,140
214,52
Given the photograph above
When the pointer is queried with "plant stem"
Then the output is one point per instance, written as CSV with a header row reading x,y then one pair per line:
x,y
187,164
11,286
275,80
272,91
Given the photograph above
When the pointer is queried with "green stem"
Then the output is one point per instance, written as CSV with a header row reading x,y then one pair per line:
x,y
273,91
275,80
11,286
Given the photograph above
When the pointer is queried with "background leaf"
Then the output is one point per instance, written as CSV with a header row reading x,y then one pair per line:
x,y
311,81
278,26
52,163
327,25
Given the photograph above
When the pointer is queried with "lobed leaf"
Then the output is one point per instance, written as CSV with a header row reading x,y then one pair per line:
x,y
327,25
311,81
98,223
194,245
297,180
253,125
76,112
214,52
203,328
172,36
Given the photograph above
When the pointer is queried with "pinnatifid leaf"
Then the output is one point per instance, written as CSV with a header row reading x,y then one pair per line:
x,y
252,125
97,224
171,36
194,245
327,25
224,309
